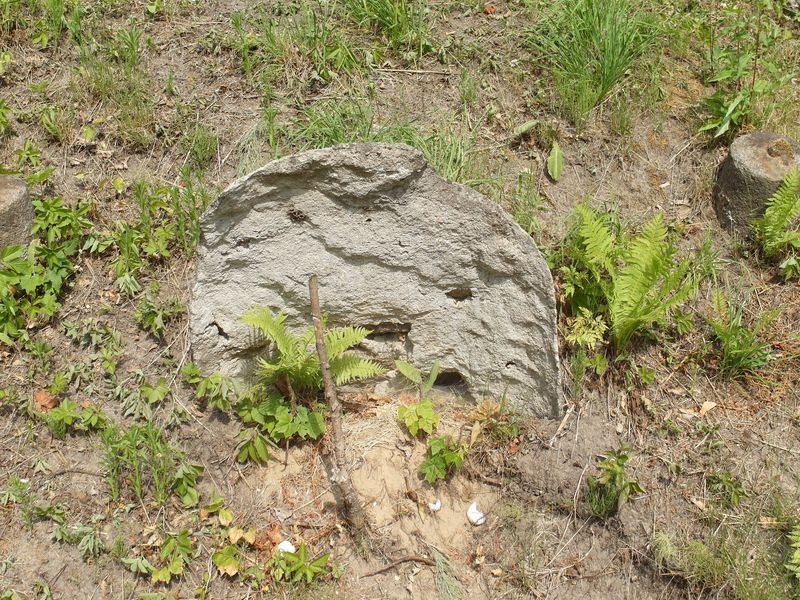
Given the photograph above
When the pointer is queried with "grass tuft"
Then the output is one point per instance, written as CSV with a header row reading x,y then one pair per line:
x,y
589,46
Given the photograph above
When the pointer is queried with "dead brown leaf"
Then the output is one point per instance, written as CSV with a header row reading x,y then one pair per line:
x,y
274,534
406,398
707,406
44,400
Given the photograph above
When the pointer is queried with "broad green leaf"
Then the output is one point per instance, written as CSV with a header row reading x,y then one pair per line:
x,y
555,162
409,371
525,127
225,517
227,560
431,378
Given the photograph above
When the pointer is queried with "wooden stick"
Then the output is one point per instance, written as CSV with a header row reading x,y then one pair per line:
x,y
340,477
420,559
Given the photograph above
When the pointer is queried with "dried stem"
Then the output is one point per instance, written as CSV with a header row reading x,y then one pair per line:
x,y
340,477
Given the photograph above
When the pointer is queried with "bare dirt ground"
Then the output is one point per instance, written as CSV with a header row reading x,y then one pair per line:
x,y
540,539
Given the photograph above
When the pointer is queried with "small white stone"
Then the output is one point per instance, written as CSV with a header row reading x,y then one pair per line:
x,y
475,516
286,546
435,506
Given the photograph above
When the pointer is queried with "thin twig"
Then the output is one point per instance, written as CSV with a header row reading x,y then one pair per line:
x,y
413,558
340,477
81,471
414,71
561,425
771,445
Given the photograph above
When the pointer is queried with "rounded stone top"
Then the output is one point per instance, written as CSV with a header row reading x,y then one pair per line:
x,y
752,172
10,184
16,211
770,155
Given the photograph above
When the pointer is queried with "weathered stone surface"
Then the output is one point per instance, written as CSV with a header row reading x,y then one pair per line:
x,y
751,173
16,212
435,269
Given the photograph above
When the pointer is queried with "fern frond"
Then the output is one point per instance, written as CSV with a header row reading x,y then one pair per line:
x,y
340,339
294,356
793,564
649,284
597,239
349,367
777,229
273,327
719,304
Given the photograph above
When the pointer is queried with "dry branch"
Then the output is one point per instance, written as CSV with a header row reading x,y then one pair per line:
x,y
340,477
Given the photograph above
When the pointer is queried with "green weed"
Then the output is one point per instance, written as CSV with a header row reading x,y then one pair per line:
x,y
452,152
153,315
311,48
123,89
50,22
589,46
444,456
87,538
5,118
741,39
606,494
128,263
200,145
139,403
743,569
68,416
125,48
793,562
105,340
216,389
143,460
56,123
468,87
175,553
18,492
280,421
261,142
726,488
403,23
31,278
418,416
298,566
169,220
741,349
526,203
332,122
11,15
6,65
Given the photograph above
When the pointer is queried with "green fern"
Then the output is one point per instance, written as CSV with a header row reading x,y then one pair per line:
x,y
635,282
291,357
649,284
793,563
777,231
596,236
295,359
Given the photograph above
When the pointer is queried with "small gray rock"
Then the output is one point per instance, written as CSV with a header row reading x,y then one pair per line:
x,y
435,269
752,172
16,211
